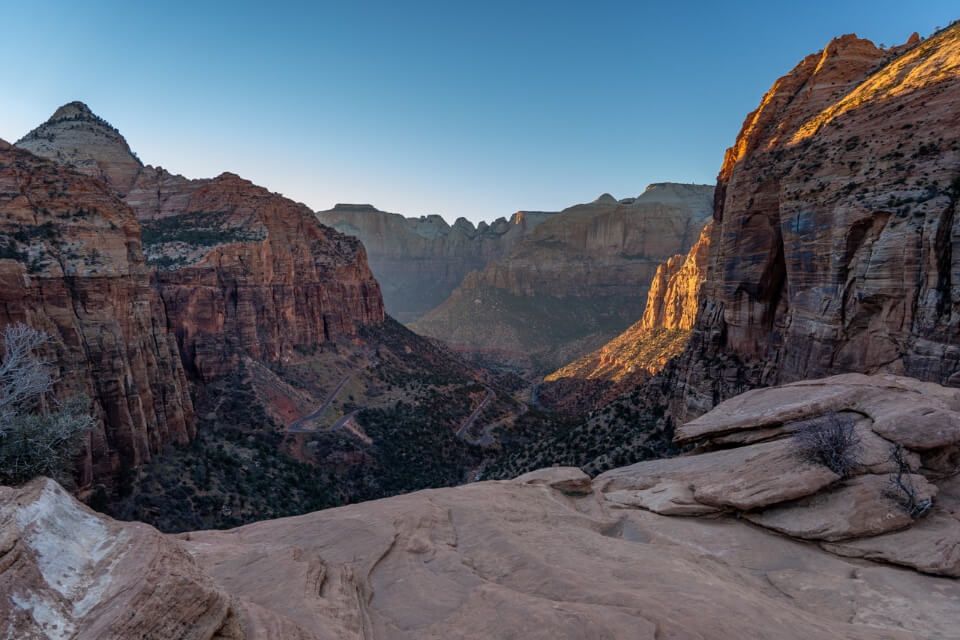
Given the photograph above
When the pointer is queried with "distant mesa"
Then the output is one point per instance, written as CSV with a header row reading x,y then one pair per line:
x,y
577,279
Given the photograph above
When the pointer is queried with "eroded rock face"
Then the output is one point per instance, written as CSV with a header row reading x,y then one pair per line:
x,y
247,272
647,345
834,227
241,270
487,560
68,572
746,460
419,261
76,137
72,266
578,280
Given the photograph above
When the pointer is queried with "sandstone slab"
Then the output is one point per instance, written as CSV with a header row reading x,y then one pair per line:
x,y
858,507
569,480
487,560
744,478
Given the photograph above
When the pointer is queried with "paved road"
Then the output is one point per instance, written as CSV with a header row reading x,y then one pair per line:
x,y
465,426
297,425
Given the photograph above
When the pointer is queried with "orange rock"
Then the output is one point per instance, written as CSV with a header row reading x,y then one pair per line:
x,y
72,266
832,247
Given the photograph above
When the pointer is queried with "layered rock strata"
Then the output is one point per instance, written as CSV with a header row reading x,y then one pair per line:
x,y
835,220
419,261
72,265
241,270
578,280
646,346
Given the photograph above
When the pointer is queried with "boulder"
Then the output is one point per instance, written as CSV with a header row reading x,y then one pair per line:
x,y
920,427
568,480
858,507
744,478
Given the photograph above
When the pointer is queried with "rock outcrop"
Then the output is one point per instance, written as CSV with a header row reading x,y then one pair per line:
x,y
241,270
835,220
419,261
71,265
747,459
575,282
76,137
646,346
551,554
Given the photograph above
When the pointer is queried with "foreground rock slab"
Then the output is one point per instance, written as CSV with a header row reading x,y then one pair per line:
x,y
487,560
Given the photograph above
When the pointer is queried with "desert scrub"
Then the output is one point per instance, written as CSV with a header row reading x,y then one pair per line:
x,y
831,441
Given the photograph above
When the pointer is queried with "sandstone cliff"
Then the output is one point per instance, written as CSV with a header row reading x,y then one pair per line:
x,y
646,346
71,264
578,280
835,220
419,261
241,270
551,554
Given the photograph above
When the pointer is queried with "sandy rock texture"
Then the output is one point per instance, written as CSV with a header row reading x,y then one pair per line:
x,y
420,261
72,265
746,460
576,281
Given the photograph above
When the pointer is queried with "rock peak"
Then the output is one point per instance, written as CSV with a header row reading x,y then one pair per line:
x,y
73,111
606,198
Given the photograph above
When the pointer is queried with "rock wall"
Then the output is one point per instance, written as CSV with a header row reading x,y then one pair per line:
x,y
419,261
645,347
272,282
241,270
835,220
576,282
71,265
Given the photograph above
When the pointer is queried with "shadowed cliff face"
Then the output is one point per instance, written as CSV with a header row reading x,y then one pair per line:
x,y
237,272
578,280
71,265
241,270
419,261
645,347
835,220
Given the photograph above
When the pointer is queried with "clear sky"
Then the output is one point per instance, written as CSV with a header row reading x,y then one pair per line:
x,y
475,109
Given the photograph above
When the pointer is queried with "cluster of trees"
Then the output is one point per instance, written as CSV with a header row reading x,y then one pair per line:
x,y
39,434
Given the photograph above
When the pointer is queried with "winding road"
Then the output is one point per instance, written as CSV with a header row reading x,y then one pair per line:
x,y
297,425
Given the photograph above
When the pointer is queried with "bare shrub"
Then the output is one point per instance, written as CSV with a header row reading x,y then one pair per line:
x,y
831,441
38,434
902,488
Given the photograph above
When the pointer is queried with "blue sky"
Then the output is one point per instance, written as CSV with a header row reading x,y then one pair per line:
x,y
473,109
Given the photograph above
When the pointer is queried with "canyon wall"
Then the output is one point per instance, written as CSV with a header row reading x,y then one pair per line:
x,y
419,261
646,346
241,270
835,220
214,271
71,265
575,282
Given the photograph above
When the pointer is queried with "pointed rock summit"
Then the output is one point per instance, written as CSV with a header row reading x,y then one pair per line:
x,y
75,110
75,136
